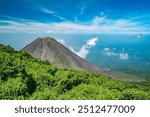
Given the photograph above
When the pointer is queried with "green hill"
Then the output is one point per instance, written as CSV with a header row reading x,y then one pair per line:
x,y
23,77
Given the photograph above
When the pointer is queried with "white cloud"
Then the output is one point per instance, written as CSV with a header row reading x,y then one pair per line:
x,y
61,41
71,48
84,51
111,52
123,26
45,10
39,27
100,20
99,25
106,49
124,56
92,42
60,17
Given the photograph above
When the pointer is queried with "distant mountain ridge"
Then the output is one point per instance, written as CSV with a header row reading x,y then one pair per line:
x,y
48,48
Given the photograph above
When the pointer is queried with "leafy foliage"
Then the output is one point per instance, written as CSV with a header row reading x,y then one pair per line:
x,y
23,77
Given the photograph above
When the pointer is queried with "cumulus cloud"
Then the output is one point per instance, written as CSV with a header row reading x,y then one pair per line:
x,y
84,50
92,42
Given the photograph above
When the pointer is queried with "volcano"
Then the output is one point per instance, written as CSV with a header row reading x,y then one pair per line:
x,y
50,49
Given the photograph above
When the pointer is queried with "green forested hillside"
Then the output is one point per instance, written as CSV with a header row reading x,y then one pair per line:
x,y
23,77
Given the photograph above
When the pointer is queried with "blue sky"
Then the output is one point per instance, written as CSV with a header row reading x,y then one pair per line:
x,y
75,16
